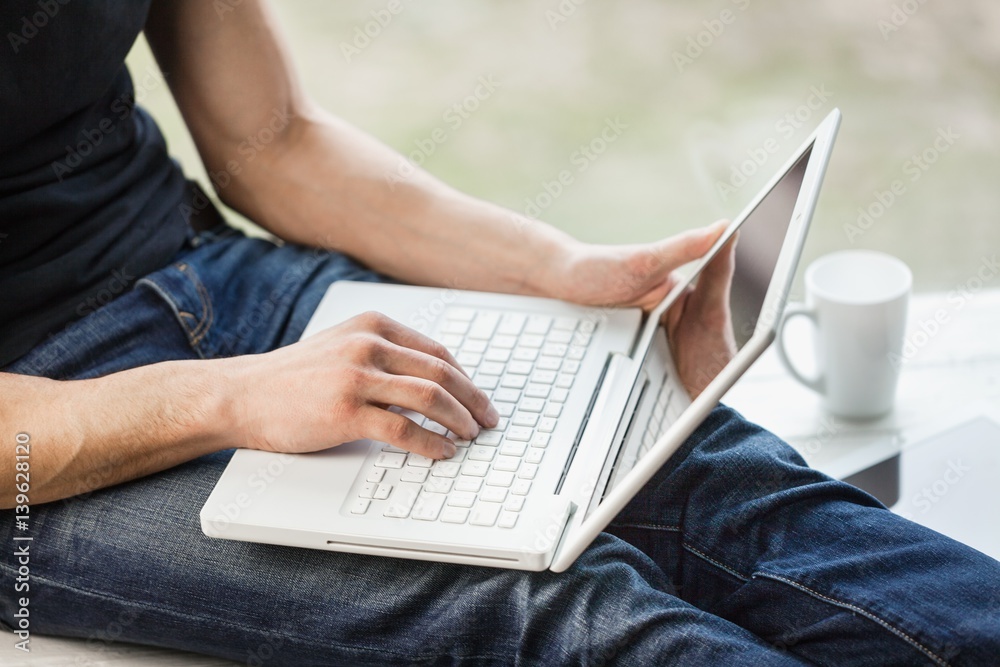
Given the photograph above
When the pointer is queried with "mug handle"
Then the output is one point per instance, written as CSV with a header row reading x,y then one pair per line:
x,y
817,384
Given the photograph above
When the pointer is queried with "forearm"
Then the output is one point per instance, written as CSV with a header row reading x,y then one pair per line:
x,y
332,185
89,434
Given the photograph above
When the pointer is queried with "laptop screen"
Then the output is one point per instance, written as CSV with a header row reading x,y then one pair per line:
x,y
762,236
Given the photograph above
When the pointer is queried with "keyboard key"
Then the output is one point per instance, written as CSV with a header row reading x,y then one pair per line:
x,y
367,490
534,455
486,381
576,352
525,354
500,478
546,424
511,324
571,366
445,469
504,409
528,471
451,340
506,395
504,342
459,442
488,438
360,505
588,326
511,448
519,367
438,485
420,461
559,395
474,346
525,419
375,475
514,503
564,381
382,491
469,484
581,339
519,433
497,354
459,455
494,494
485,514
454,515
565,323
506,463
514,381
554,350
484,326
402,500
553,410
417,475
544,377
531,340
563,337
455,327
481,453
390,460
427,507
538,324
521,487
469,360
475,468
540,440
492,368
532,405
461,499
535,390
507,520
548,363
434,427
390,448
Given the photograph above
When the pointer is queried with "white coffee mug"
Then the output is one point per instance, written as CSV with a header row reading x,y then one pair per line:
x,y
857,301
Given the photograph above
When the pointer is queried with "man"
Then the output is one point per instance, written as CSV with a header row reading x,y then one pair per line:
x,y
143,341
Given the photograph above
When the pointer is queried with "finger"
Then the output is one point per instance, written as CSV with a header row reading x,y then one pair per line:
x,y
403,361
676,251
428,398
397,430
716,278
404,336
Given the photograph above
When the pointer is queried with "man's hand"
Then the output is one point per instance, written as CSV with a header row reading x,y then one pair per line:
x,y
699,324
630,275
336,386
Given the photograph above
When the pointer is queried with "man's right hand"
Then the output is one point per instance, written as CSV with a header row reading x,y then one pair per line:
x,y
337,386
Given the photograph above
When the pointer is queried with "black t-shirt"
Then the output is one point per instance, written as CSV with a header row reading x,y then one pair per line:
x,y
89,199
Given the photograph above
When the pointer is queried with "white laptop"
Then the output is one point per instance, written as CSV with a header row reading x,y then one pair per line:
x,y
590,402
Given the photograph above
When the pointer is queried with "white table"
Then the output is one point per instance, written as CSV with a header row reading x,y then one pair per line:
x,y
947,372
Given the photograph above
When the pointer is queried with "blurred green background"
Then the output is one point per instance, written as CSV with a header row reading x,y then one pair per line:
x,y
696,89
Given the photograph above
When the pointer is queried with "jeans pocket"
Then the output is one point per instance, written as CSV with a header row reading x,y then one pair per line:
x,y
183,291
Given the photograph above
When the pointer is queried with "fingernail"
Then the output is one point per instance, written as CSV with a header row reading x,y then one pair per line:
x,y
492,416
474,431
448,449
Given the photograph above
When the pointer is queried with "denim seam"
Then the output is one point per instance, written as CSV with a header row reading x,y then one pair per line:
x,y
859,610
714,562
239,626
173,306
649,526
206,304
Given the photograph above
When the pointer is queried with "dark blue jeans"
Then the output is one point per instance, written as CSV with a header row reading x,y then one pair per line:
x,y
736,553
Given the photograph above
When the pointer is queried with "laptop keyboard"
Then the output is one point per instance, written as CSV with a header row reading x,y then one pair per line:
x,y
667,408
527,365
